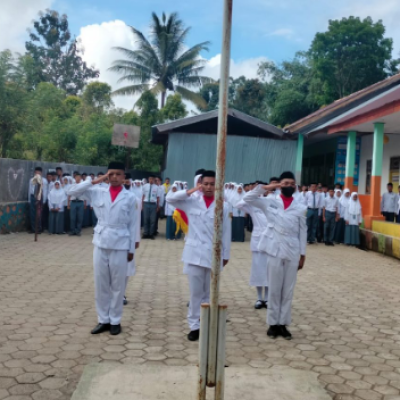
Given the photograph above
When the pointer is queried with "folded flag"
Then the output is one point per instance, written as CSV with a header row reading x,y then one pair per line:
x,y
181,220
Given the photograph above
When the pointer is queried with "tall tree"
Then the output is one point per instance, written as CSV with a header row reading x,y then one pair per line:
x,y
57,55
161,63
351,55
12,102
174,108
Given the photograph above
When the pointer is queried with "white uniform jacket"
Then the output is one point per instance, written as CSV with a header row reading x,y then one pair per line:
x,y
116,227
199,240
259,222
286,234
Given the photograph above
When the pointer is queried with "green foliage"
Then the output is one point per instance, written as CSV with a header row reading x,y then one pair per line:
x,y
56,54
162,59
350,56
97,95
174,108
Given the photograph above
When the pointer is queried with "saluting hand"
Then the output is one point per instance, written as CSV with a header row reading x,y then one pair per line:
x,y
271,187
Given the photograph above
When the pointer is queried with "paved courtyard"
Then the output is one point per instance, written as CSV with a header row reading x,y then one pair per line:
x,y
346,315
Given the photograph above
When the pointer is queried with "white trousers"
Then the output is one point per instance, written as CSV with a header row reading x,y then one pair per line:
x,y
199,286
259,269
282,276
110,269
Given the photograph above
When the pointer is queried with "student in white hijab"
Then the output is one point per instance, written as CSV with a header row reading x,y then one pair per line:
x,y
353,220
57,198
340,224
238,214
170,232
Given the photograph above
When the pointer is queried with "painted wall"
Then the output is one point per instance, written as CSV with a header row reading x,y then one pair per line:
x,y
391,149
14,217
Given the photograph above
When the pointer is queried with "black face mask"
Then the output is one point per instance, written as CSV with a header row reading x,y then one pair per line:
x,y
127,187
287,191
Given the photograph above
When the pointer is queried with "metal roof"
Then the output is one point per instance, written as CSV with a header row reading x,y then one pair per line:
x,y
313,121
239,124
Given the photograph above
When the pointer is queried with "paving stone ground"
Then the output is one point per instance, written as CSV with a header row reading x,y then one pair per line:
x,y
346,315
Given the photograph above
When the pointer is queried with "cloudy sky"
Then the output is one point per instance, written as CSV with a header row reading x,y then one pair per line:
x,y
262,29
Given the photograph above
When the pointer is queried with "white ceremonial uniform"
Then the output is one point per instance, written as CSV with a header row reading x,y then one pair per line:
x,y
284,240
131,271
259,267
161,195
114,237
197,253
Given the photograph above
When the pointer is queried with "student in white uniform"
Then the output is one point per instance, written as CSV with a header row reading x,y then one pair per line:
x,y
114,243
57,198
314,201
197,253
330,216
259,266
284,240
353,221
340,224
238,216
389,204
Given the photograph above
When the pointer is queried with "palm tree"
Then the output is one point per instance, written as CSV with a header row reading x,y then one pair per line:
x,y
162,63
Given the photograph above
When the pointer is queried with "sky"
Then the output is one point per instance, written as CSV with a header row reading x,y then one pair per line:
x,y
262,29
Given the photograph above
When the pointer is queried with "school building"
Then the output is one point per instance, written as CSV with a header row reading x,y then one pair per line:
x,y
356,141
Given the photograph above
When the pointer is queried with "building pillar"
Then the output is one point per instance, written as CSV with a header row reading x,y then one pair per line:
x,y
350,160
376,176
299,158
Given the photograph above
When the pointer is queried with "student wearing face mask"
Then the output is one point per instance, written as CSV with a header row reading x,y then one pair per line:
x,y
284,240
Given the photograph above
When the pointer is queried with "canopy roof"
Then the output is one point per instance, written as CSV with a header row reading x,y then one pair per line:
x,y
239,124
359,111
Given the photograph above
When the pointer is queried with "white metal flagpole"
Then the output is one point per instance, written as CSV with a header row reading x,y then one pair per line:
x,y
219,193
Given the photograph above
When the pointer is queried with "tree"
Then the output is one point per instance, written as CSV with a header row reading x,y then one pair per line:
x,y
288,89
174,108
97,95
350,56
147,157
57,55
12,102
161,63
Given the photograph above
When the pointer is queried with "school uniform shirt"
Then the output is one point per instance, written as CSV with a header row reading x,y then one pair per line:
x,y
331,204
45,189
389,202
285,236
169,209
199,240
73,189
150,193
116,226
161,195
259,222
57,199
237,212
353,219
314,200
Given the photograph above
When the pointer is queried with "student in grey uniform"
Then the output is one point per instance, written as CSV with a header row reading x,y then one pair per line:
x,y
76,206
389,203
330,216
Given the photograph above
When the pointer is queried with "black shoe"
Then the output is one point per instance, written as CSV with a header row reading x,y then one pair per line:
x,y
265,304
285,333
331,244
100,328
259,304
193,336
79,234
327,244
311,242
71,234
125,301
145,237
152,237
273,331
115,329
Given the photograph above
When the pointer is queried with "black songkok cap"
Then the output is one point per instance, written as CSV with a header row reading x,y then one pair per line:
x,y
38,169
128,175
77,173
116,165
208,174
84,173
287,175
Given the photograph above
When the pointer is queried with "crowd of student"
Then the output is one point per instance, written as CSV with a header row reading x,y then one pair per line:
x,y
281,216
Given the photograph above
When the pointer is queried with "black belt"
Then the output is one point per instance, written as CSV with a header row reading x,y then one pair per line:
x,y
313,208
77,201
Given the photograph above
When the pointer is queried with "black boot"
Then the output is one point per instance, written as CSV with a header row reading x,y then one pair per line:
x,y
100,328
193,336
115,329
273,331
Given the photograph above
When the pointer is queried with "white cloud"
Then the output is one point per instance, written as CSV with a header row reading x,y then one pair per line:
x,y
16,17
98,41
247,67
284,32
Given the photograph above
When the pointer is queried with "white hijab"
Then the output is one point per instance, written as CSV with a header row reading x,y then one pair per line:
x,y
354,205
57,196
137,190
344,201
